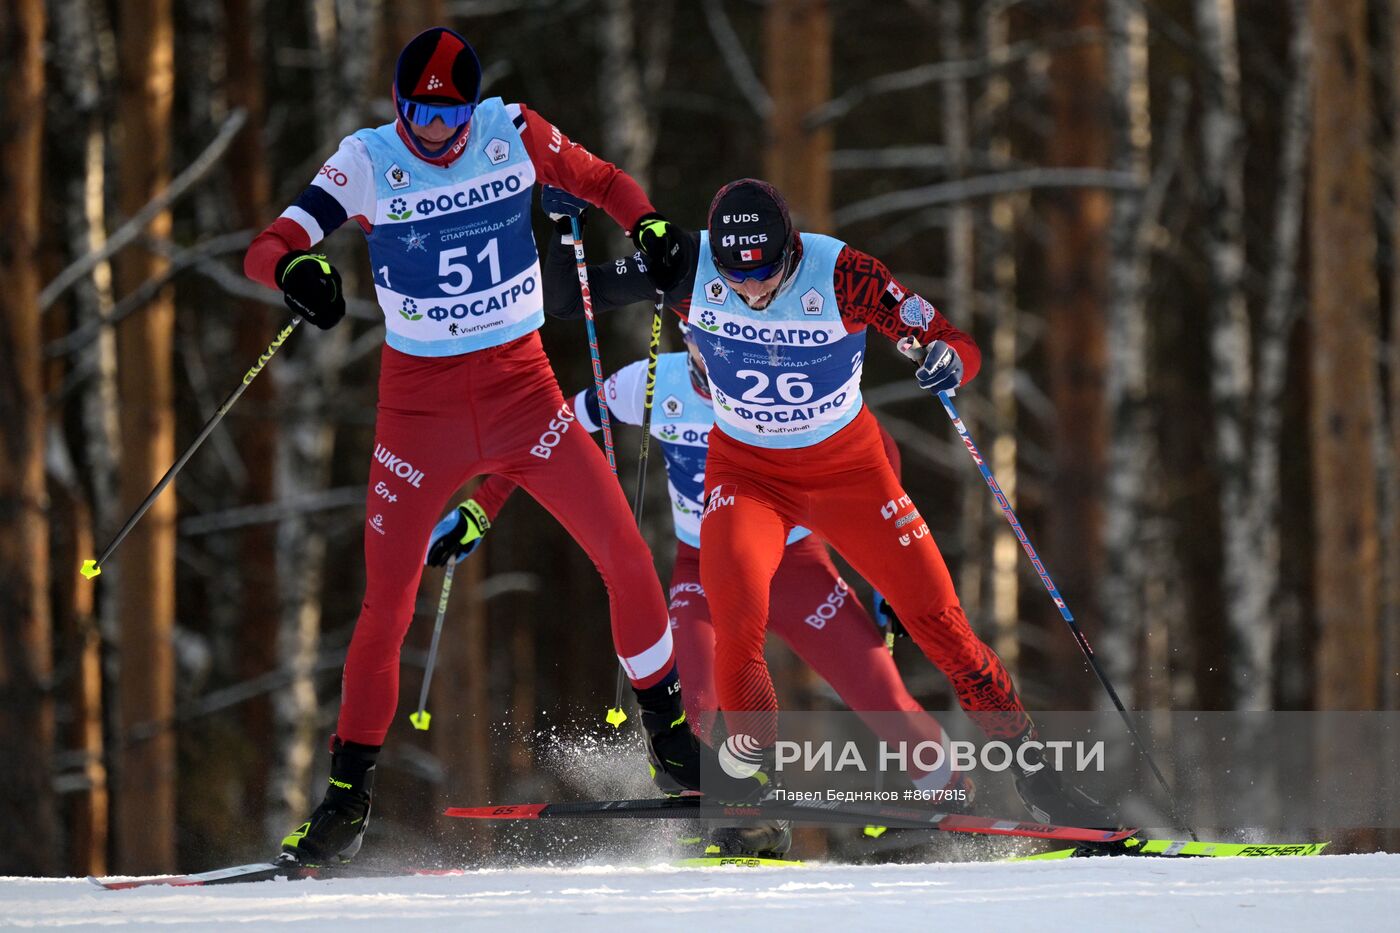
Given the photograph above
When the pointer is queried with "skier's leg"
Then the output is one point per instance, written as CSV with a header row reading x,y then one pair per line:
x,y
876,527
741,544
820,618
694,636
563,469
419,458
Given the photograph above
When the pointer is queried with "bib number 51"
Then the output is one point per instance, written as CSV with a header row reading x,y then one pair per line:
x,y
455,274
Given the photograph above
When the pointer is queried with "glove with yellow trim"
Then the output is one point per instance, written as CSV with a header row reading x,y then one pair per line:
x,y
457,535
311,287
663,253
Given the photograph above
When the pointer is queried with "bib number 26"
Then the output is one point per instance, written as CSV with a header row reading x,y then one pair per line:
x,y
792,388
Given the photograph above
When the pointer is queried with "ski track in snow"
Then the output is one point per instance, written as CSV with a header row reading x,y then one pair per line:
x,y
1352,892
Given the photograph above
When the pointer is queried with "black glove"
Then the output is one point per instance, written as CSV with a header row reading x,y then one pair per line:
x,y
311,287
887,620
457,535
561,207
661,244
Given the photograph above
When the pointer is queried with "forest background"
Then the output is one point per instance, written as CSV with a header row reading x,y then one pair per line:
x,y
1171,224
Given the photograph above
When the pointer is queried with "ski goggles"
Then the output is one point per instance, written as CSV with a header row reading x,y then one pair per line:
x,y
420,114
759,273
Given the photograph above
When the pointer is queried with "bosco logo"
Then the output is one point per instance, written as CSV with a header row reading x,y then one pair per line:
x,y
335,175
554,433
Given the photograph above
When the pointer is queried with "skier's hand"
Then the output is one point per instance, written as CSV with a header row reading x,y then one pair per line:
x,y
661,244
560,205
886,618
942,370
311,287
457,535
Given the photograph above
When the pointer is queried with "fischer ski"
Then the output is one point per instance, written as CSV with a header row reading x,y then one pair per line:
x,y
703,808
264,871
1182,848
736,861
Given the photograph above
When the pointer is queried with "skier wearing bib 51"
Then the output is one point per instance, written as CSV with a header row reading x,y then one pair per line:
x,y
780,319
443,194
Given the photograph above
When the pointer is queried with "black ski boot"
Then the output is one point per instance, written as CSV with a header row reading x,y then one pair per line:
x,y
769,839
673,752
1051,799
337,827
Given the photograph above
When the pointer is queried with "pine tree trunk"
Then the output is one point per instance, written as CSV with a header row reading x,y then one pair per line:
x,y
1343,316
27,808
797,72
1077,222
146,562
258,430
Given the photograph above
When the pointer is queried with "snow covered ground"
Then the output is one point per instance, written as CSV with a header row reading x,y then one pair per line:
x,y
1355,892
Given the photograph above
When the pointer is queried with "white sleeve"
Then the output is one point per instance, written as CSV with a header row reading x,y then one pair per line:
x,y
343,188
626,392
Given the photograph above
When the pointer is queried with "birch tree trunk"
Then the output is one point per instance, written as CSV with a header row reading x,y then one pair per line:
x,y
26,651
1077,222
997,260
1343,315
959,300
1281,311
1222,143
1124,590
343,34
146,584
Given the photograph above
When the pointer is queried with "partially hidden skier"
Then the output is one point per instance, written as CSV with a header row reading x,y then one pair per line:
x,y
443,196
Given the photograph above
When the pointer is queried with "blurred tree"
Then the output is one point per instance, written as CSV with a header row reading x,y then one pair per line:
x,y
1343,322
146,563
257,438
26,661
1076,299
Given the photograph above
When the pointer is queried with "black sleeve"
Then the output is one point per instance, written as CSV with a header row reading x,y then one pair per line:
x,y
613,285
590,401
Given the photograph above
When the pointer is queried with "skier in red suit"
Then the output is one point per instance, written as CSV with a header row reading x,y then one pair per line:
x,y
780,318
443,195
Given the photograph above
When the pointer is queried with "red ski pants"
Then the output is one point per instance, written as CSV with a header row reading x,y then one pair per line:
x,y
819,617
844,489
442,421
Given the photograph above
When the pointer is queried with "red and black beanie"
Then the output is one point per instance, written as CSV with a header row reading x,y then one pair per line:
x,y
438,66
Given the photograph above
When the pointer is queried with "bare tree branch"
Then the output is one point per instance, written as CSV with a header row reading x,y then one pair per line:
x,y
982,186
923,75
245,515
142,218
732,51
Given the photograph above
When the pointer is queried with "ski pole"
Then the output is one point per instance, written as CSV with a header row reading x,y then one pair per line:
x,y
616,715
581,264
421,718
92,568
642,456
909,347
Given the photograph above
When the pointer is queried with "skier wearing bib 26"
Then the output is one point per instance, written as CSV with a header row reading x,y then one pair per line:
x,y
780,319
443,195
811,608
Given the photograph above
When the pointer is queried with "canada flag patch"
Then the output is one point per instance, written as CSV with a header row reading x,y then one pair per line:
x,y
893,294
750,255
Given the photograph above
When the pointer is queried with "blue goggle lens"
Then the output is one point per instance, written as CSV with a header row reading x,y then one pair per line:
x,y
758,272
423,114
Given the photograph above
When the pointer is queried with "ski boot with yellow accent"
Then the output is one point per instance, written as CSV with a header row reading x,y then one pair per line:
x,y
337,827
673,752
